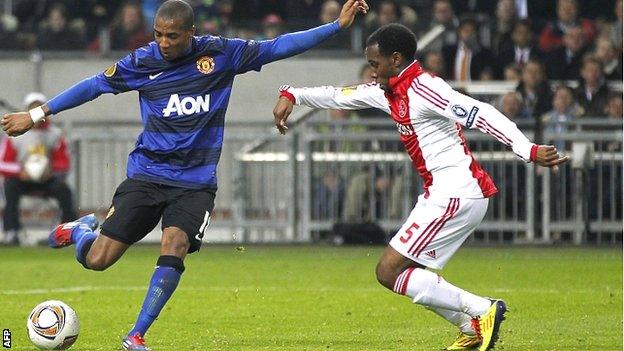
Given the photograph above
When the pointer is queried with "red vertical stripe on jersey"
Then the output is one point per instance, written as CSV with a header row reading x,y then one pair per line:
x,y
413,149
488,188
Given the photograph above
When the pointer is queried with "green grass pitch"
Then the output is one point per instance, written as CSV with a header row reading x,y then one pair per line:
x,y
319,298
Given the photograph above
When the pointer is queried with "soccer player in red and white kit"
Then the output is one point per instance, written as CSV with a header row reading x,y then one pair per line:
x,y
429,116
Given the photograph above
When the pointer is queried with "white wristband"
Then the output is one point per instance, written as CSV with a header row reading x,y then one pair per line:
x,y
36,114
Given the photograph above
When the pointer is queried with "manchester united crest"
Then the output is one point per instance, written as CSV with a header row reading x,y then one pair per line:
x,y
205,64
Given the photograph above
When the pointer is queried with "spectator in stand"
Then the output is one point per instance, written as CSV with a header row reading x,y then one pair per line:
x,y
252,10
614,106
149,8
330,11
301,12
272,27
512,73
565,109
479,7
443,14
207,17
500,29
434,63
536,94
592,92
510,105
35,164
520,49
387,11
328,196
567,18
565,61
55,33
128,29
608,56
97,15
467,60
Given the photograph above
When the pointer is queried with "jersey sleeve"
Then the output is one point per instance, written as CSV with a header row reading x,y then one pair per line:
x,y
435,95
347,98
118,78
248,55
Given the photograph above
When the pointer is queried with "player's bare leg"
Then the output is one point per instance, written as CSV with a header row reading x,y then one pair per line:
x,y
93,251
104,252
173,249
406,277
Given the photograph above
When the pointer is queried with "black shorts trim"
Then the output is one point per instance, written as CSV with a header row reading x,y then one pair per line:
x,y
115,237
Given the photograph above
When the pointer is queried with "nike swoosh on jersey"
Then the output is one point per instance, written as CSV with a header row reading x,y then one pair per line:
x,y
154,76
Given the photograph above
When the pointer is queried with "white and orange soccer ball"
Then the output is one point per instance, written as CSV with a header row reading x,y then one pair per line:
x,y
53,325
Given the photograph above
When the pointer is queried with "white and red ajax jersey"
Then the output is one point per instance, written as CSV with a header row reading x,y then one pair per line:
x,y
429,116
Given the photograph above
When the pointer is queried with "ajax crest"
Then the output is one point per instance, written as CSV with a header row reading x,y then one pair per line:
x,y
402,108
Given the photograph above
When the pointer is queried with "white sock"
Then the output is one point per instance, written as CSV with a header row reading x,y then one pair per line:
x,y
429,289
458,319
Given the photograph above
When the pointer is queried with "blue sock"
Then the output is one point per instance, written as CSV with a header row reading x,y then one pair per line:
x,y
164,282
83,237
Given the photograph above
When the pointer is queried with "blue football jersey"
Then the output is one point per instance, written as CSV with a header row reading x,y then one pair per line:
x,y
183,106
184,101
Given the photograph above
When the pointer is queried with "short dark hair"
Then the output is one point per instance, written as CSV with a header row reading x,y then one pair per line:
x,y
392,38
171,9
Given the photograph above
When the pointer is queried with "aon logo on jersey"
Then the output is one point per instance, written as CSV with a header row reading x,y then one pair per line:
x,y
187,106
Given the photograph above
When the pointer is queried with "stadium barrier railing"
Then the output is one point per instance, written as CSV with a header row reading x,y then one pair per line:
x,y
295,188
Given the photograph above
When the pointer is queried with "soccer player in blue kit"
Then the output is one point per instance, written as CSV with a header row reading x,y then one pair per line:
x,y
184,84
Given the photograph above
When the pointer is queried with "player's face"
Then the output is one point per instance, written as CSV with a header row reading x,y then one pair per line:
x,y
383,67
172,39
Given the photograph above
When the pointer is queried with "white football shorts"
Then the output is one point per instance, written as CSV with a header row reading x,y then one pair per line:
x,y
436,228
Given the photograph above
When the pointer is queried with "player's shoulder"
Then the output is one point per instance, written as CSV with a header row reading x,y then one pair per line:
x,y
429,81
147,51
206,43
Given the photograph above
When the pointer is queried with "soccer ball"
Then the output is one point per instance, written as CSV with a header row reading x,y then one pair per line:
x,y
53,325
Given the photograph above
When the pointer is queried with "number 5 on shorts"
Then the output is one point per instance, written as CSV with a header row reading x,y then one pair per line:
x,y
408,233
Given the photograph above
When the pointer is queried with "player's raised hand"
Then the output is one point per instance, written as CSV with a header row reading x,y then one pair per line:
x,y
282,110
18,123
548,156
349,10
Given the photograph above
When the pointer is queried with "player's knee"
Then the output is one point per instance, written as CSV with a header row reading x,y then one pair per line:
x,y
175,242
386,276
97,262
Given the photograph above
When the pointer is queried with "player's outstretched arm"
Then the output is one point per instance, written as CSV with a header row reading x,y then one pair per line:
x,y
437,96
291,44
252,55
327,97
15,124
118,78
